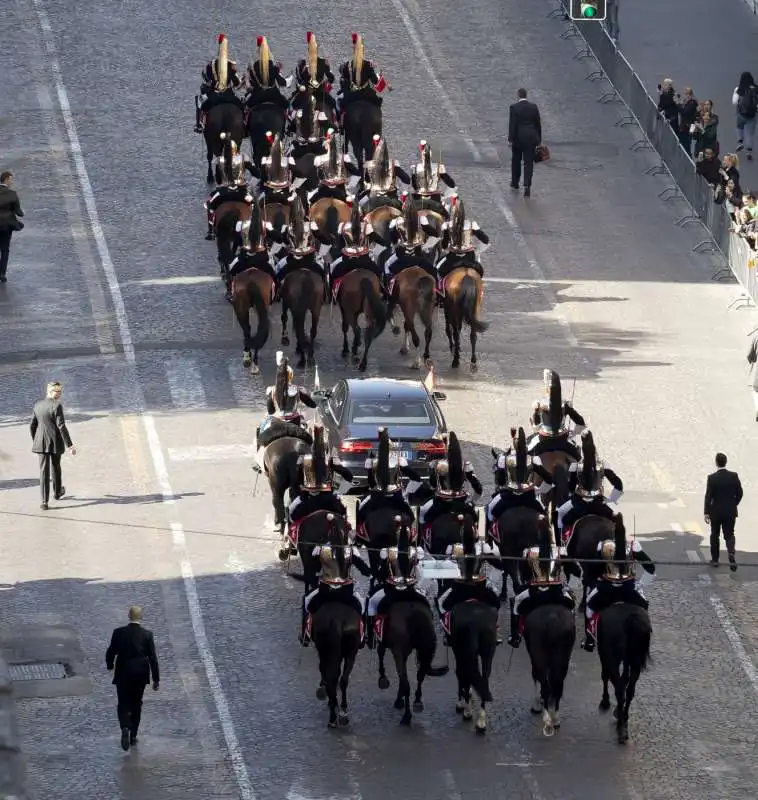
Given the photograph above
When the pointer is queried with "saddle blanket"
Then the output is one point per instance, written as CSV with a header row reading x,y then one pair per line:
x,y
566,535
494,531
336,286
362,532
309,629
440,286
427,536
445,620
592,626
379,627
391,286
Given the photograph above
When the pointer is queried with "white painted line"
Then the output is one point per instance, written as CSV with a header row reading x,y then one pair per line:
x,y
212,452
494,185
677,528
153,440
521,764
694,557
734,639
185,384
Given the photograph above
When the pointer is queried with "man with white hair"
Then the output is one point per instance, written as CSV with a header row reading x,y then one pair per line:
x,y
50,438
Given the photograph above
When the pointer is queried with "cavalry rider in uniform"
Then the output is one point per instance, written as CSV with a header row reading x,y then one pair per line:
x,y
457,236
313,73
355,250
219,80
380,180
276,181
359,81
450,497
408,236
548,418
253,254
301,250
230,174
586,481
426,177
542,589
384,486
264,79
617,585
512,477
333,167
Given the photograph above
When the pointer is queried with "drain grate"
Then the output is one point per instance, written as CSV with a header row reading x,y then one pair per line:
x,y
38,671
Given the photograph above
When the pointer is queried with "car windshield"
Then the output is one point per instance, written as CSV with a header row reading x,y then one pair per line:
x,y
391,412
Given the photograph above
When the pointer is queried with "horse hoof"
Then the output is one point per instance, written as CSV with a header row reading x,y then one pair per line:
x,y
548,729
396,331
343,720
474,367
616,713
384,683
455,365
362,366
535,710
481,729
623,737
604,705
356,359
331,724
459,706
247,360
285,341
399,703
345,353
403,351
284,554
321,693
406,720
418,705
467,713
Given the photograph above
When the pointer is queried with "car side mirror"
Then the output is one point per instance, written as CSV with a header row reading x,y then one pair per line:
x,y
320,395
439,395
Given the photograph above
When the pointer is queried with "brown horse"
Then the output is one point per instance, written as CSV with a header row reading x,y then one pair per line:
x,y
360,300
278,214
328,213
302,291
413,291
557,463
228,239
435,221
462,302
252,289
379,219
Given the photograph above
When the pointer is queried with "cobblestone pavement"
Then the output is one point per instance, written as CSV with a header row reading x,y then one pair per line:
x,y
589,276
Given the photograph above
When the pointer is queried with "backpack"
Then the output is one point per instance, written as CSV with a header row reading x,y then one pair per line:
x,y
748,103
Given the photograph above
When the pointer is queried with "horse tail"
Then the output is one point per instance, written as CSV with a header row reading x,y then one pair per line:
x,y
299,310
468,302
225,236
425,295
638,635
261,309
561,642
375,305
421,634
332,222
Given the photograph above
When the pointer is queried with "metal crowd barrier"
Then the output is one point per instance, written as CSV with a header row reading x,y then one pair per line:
x,y
675,160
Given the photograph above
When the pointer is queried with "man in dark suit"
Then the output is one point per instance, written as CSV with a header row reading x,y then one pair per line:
x,y
524,134
132,653
50,439
10,210
723,493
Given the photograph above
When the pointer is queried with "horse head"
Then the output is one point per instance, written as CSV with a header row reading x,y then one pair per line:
x,y
336,555
406,555
471,559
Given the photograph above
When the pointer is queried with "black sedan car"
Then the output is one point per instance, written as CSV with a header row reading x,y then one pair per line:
x,y
353,410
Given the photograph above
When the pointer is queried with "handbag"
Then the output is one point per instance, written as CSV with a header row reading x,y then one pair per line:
x,y
541,153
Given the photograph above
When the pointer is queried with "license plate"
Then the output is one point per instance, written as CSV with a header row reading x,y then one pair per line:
x,y
396,455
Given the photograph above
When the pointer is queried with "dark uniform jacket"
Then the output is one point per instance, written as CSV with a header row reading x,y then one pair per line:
x,y
132,649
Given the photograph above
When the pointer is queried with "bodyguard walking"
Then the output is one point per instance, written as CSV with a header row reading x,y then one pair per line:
x,y
524,134
131,657
723,493
50,438
10,211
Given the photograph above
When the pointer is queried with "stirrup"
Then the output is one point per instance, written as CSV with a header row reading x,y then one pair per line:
x,y
588,644
514,641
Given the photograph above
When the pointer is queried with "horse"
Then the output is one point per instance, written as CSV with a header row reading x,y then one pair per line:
x,y
462,302
587,534
623,634
447,531
557,463
381,532
337,633
262,119
362,119
517,530
280,467
252,289
223,121
413,291
409,626
360,296
315,530
228,239
328,213
302,291
378,220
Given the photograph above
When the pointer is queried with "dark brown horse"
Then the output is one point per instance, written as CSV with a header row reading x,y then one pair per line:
x,y
263,119
462,302
328,213
360,300
223,121
379,219
252,289
362,120
413,291
557,463
301,292
278,214
228,238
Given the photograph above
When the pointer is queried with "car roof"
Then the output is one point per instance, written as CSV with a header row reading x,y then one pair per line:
x,y
367,388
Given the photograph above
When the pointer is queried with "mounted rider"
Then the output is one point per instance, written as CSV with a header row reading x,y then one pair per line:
x,y
401,584
450,496
276,181
219,80
334,169
230,174
586,482
542,588
513,477
359,81
457,238
265,80
380,180
307,125
426,177
385,485
548,420
616,585
355,250
253,254
315,75
409,236
301,249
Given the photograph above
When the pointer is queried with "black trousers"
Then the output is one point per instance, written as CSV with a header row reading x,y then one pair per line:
x,y
129,705
5,249
519,154
50,466
721,525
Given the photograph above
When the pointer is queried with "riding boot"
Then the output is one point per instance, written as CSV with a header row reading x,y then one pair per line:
x,y
303,641
589,643
514,640
211,235
198,126
370,635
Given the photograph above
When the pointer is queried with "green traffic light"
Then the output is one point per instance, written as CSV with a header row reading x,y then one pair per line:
x,y
589,11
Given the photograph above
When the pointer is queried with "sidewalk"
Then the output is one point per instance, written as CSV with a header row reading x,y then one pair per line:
x,y
698,43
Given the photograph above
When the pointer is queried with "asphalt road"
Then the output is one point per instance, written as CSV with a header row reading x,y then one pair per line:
x,y
590,277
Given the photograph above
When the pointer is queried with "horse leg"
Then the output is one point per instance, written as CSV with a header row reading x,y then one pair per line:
x,y
538,704
411,331
209,158
383,680
244,323
473,350
285,337
624,689
368,337
278,501
418,702
427,342
630,690
344,683
483,690
329,678
605,700
403,700
463,706
356,343
456,344
345,343
311,357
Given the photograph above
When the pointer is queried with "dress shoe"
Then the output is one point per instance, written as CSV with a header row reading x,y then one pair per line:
x,y
714,562
133,738
124,738
514,186
3,279
60,494
43,506
527,191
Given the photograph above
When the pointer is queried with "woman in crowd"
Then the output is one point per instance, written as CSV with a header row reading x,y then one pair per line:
x,y
706,128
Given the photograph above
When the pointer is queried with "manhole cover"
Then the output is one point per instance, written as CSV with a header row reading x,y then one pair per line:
x,y
52,670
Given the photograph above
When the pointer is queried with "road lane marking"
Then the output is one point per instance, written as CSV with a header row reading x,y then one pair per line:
x,y
694,527
153,440
665,484
734,639
185,384
212,452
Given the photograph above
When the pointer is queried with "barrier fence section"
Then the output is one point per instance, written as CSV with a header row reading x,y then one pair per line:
x,y
660,136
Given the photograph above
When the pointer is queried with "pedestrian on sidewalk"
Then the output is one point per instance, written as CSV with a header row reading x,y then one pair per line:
x,y
524,136
723,493
132,659
50,438
10,211
745,100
